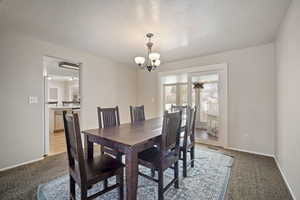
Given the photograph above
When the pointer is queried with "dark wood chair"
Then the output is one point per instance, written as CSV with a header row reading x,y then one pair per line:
x,y
137,114
182,109
109,117
85,172
175,108
187,142
166,155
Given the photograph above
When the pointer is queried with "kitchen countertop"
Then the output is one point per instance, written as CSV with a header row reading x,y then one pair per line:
x,y
65,107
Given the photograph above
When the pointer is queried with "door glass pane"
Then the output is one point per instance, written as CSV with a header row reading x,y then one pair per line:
x,y
183,94
170,96
207,102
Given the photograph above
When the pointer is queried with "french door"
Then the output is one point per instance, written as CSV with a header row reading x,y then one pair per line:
x,y
210,101
206,99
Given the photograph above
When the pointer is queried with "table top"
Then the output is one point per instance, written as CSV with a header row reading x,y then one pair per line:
x,y
129,134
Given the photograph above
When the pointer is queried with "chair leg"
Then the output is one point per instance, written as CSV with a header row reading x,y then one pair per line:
x,y
72,189
176,176
184,163
120,180
119,157
152,172
192,156
160,184
83,193
105,183
101,150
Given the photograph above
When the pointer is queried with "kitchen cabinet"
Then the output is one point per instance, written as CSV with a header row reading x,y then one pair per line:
x,y
56,122
59,121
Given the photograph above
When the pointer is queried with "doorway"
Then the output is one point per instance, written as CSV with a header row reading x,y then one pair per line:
x,y
204,95
180,87
61,93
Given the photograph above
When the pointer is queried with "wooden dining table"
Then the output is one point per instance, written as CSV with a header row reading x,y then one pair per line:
x,y
129,139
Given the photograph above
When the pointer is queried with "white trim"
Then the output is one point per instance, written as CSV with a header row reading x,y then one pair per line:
x,y
45,113
251,152
284,178
20,164
208,142
198,68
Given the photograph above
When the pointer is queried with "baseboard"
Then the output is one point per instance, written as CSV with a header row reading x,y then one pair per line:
x,y
20,164
252,152
284,178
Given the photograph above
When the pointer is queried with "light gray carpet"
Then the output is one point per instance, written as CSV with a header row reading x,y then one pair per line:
x,y
207,181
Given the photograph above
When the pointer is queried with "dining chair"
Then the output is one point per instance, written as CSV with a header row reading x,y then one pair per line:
x,y
137,114
85,172
166,155
107,118
179,108
187,142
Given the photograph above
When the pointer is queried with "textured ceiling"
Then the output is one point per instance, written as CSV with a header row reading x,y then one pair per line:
x,y
116,29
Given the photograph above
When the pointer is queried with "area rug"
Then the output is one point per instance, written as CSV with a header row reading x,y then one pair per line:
x,y
206,181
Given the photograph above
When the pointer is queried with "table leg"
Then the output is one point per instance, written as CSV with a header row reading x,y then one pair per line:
x,y
89,148
131,174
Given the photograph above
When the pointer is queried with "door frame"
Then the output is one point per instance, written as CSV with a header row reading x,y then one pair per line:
x,y
46,130
222,69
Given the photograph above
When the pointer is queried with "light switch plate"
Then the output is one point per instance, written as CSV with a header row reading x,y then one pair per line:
x,y
33,100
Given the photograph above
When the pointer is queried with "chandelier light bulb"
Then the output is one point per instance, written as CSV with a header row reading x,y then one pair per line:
x,y
157,63
139,60
154,56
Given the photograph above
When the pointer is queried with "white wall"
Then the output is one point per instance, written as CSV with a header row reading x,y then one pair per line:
x,y
288,96
147,92
21,75
251,94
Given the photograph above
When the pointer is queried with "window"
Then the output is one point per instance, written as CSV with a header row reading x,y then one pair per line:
x,y
175,94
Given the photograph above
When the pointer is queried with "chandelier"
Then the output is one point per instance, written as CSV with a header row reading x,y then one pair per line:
x,y
152,59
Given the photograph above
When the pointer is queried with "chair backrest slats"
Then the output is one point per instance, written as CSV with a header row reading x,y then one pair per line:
x,y
137,113
190,120
179,108
171,131
108,117
74,144
189,133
